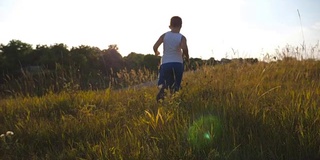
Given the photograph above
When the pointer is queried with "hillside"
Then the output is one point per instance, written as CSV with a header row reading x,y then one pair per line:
x,y
232,111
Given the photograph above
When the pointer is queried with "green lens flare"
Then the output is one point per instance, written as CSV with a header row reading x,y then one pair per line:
x,y
204,131
207,135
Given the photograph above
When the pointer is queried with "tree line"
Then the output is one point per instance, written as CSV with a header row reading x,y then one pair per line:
x,y
17,55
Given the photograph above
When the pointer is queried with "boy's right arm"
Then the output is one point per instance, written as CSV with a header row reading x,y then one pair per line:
x,y
157,44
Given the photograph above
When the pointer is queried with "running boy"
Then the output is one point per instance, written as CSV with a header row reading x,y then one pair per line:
x,y
175,49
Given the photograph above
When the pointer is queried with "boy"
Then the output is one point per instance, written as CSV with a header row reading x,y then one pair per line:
x,y
174,50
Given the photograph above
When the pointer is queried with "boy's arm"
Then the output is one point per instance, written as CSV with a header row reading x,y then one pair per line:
x,y
157,44
184,47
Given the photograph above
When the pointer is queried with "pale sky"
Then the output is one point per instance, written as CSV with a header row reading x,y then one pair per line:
x,y
212,27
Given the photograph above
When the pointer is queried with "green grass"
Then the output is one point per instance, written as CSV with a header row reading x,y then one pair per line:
x,y
266,110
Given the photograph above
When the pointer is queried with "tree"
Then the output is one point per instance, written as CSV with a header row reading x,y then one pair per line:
x,y
46,56
151,62
14,55
2,60
61,54
38,53
134,60
85,58
112,59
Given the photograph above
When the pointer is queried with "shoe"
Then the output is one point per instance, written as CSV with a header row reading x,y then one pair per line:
x,y
160,95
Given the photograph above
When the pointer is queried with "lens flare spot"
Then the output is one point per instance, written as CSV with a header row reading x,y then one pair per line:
x,y
204,132
207,136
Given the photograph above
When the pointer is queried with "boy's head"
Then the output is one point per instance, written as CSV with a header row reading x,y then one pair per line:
x,y
176,22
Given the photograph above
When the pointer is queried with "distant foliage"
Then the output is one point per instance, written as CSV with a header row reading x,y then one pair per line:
x,y
56,66
15,55
43,69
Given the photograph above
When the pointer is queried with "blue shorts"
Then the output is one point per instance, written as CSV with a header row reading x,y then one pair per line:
x,y
170,75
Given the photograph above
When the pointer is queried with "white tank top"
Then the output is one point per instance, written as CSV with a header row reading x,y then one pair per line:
x,y
171,48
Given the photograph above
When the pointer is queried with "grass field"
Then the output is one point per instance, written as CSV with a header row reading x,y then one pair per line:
x,y
265,111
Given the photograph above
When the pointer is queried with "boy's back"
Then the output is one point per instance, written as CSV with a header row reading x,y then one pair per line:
x,y
171,48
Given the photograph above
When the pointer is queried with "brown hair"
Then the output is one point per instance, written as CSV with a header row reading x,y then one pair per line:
x,y
176,21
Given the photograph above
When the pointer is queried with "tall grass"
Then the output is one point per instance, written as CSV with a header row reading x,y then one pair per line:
x,y
70,79
266,111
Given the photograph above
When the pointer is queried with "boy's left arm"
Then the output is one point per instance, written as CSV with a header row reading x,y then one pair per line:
x,y
184,47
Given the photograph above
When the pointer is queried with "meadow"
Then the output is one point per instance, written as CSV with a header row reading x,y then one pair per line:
x,y
262,111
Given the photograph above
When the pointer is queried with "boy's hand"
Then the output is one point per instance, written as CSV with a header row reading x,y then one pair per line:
x,y
186,60
157,53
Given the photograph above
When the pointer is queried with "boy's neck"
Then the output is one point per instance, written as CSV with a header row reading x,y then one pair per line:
x,y
175,29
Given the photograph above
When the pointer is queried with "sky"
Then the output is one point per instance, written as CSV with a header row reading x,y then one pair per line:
x,y
213,28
